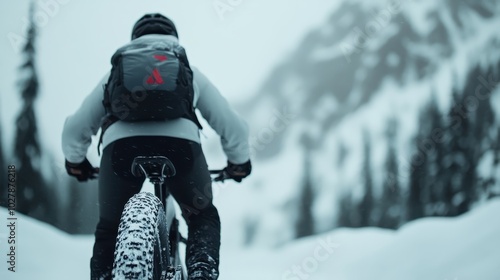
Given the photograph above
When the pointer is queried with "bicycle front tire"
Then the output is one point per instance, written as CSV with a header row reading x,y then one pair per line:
x,y
142,248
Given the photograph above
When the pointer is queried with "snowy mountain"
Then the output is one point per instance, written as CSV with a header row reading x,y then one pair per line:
x,y
465,247
347,62
372,61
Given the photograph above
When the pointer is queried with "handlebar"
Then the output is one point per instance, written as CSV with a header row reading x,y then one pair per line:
x,y
218,175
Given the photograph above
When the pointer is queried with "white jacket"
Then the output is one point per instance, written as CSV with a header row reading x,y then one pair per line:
x,y
86,121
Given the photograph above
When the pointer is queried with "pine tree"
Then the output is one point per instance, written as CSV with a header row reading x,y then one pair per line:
x,y
473,143
485,138
431,147
391,204
345,217
32,197
435,169
366,205
419,188
415,198
461,171
495,175
451,177
493,188
305,222
3,170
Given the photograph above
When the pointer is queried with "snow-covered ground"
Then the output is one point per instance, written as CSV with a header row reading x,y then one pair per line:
x,y
466,247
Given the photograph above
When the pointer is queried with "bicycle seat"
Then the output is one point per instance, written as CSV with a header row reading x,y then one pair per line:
x,y
153,167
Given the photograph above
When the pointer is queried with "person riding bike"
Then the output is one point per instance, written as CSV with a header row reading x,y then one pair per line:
x,y
177,139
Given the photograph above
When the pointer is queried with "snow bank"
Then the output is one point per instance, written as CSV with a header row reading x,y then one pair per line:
x,y
466,247
44,252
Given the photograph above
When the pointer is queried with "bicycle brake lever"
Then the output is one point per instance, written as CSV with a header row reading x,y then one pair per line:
x,y
222,176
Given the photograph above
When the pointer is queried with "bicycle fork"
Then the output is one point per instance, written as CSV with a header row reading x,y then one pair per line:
x,y
170,272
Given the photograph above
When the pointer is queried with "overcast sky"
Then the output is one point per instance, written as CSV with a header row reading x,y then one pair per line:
x,y
236,46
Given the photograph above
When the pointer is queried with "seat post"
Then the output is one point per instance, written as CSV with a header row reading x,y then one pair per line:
x,y
160,190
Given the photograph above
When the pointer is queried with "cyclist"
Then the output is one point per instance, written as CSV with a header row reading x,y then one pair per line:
x,y
179,140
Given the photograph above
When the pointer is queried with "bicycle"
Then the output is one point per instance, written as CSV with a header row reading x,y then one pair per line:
x,y
147,245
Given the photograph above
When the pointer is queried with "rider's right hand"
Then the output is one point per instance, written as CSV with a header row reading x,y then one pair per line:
x,y
82,171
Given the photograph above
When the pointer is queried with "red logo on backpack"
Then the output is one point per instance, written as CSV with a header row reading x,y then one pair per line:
x,y
155,77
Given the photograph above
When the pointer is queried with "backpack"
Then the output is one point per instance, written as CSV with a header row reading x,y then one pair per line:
x,y
149,81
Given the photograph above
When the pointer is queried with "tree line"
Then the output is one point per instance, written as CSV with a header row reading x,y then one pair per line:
x,y
455,158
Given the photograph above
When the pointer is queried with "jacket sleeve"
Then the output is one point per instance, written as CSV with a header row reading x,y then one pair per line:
x,y
232,129
85,122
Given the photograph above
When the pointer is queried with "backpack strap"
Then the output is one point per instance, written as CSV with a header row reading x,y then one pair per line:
x,y
106,122
192,116
181,55
108,119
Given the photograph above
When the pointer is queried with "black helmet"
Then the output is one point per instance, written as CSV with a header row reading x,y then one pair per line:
x,y
154,24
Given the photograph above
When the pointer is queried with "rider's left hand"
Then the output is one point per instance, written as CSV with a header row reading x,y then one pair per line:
x,y
82,171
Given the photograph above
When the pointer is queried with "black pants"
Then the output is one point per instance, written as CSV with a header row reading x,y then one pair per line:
x,y
191,187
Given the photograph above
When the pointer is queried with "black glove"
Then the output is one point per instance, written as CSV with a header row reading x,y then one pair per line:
x,y
235,171
82,171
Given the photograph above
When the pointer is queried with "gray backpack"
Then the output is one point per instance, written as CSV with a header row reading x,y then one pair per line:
x,y
149,82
